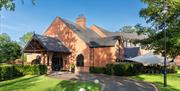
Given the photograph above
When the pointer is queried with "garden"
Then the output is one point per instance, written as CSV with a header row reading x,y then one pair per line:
x,y
44,83
173,80
33,78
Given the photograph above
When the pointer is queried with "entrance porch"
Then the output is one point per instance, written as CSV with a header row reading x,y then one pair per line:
x,y
50,51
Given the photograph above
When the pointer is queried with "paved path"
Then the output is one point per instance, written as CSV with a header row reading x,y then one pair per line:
x,y
109,83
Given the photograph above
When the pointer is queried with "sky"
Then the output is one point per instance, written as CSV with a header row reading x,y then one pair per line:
x,y
109,14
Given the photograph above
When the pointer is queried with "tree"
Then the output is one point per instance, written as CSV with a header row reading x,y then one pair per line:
x,y
169,22
4,38
153,13
156,41
25,38
10,4
128,29
9,50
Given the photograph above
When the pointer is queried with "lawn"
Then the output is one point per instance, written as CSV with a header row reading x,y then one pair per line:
x,y
173,81
44,83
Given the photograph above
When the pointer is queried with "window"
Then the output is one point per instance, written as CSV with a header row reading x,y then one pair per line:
x,y
80,60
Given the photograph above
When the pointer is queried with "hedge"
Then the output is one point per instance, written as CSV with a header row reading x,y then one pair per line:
x,y
130,69
127,69
159,69
109,69
12,71
118,69
97,70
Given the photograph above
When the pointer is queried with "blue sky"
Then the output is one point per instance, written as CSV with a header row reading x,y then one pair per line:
x,y
110,14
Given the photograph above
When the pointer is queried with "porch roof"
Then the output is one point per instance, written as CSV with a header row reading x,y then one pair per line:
x,y
45,43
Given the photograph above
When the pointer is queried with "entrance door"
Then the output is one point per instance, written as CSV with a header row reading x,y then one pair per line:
x,y
57,63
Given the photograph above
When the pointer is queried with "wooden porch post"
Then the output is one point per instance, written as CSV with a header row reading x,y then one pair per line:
x,y
47,59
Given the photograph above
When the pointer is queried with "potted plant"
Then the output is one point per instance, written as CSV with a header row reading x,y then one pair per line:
x,y
72,67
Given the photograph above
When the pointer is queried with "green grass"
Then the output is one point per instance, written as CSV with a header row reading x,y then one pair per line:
x,y
173,81
44,83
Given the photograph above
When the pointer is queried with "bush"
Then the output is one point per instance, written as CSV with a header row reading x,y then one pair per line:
x,y
42,69
172,69
36,61
127,69
109,69
9,72
12,71
122,69
130,69
33,69
159,69
97,70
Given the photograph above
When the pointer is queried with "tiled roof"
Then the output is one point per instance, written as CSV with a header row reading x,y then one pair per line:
x,y
51,44
86,34
129,36
104,42
91,37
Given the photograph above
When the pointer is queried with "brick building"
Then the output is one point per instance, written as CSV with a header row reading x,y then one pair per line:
x,y
65,43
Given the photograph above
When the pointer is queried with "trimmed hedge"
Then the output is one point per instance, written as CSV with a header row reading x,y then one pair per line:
x,y
32,69
127,69
130,69
109,69
159,69
97,70
12,71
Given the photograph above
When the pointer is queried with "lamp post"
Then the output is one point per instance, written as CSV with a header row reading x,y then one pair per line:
x,y
165,8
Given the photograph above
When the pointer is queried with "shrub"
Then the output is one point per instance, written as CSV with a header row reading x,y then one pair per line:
x,y
42,69
12,71
9,72
172,69
130,69
36,61
126,69
159,69
109,69
34,69
6,72
97,70
122,69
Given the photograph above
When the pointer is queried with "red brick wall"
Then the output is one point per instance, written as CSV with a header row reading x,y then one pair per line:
x,y
77,46
106,55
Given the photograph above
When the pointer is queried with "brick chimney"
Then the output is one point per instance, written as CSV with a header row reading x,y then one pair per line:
x,y
81,21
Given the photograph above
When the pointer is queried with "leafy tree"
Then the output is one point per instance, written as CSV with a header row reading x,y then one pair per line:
x,y
25,38
156,41
153,13
169,22
4,38
10,4
128,29
149,31
9,50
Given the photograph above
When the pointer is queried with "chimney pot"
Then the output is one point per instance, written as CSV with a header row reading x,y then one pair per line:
x,y
81,21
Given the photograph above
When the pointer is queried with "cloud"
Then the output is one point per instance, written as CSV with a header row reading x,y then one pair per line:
x,y
8,27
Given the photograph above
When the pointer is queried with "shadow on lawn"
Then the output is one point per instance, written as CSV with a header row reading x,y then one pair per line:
x,y
160,85
66,85
19,84
168,88
138,77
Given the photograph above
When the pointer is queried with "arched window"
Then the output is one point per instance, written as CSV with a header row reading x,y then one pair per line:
x,y
80,60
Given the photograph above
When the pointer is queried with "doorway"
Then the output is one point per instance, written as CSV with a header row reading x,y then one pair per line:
x,y
57,63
